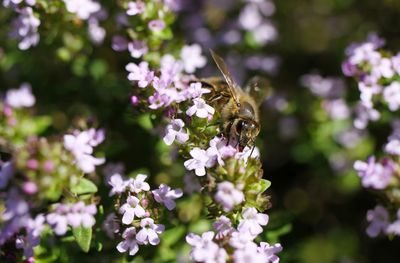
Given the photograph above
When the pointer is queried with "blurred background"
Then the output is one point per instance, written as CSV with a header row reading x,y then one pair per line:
x,y
319,208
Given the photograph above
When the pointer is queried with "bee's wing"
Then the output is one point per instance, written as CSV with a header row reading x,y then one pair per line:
x,y
227,75
259,88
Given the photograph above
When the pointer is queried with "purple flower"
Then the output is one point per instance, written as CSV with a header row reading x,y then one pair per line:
x,y
131,209
337,109
265,33
80,214
374,175
118,184
249,253
396,63
164,195
392,228
174,131
204,249
20,98
391,94
25,28
129,244
223,226
228,196
199,161
192,58
195,90
250,18
149,232
156,25
139,184
135,8
58,219
252,221
378,219
270,251
364,115
332,88
200,108
383,68
242,240
119,43
6,172
140,73
82,8
137,48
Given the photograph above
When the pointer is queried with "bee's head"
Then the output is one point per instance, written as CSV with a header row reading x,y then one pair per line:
x,y
247,131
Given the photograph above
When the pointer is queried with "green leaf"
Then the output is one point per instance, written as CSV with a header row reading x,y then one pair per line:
x,y
172,236
84,186
34,125
83,236
260,186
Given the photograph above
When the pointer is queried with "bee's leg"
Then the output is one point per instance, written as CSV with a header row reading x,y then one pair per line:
x,y
252,149
227,130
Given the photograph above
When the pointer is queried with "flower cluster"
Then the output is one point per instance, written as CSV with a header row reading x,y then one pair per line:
x,y
235,243
39,171
135,218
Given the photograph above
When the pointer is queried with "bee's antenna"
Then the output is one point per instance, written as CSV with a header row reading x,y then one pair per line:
x,y
227,75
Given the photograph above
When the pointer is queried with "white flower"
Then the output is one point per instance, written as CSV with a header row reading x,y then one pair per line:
x,y
391,94
252,221
149,232
164,195
129,243
118,184
82,8
200,108
228,196
131,209
192,58
199,161
139,184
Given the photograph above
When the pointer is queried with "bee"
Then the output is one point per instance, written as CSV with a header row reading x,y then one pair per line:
x,y
239,108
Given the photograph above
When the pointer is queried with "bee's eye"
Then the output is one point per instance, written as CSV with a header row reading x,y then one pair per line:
x,y
239,126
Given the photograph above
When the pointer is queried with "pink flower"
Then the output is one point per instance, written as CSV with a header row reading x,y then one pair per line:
x,y
199,161
192,58
252,221
137,48
228,196
140,73
149,232
164,195
378,219
135,8
200,108
131,209
129,244
174,131
20,98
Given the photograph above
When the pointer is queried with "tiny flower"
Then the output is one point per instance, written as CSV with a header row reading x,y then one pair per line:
x,y
249,254
6,172
119,43
139,184
118,184
392,228
25,28
391,94
219,150
200,108
30,188
149,232
204,249
134,100
135,8
174,131
131,209
111,225
192,58
195,90
164,195
252,221
198,162
228,196
137,48
129,244
378,219
81,215
393,147
140,73
156,25
82,8
192,184
20,98
223,226
374,175
270,251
